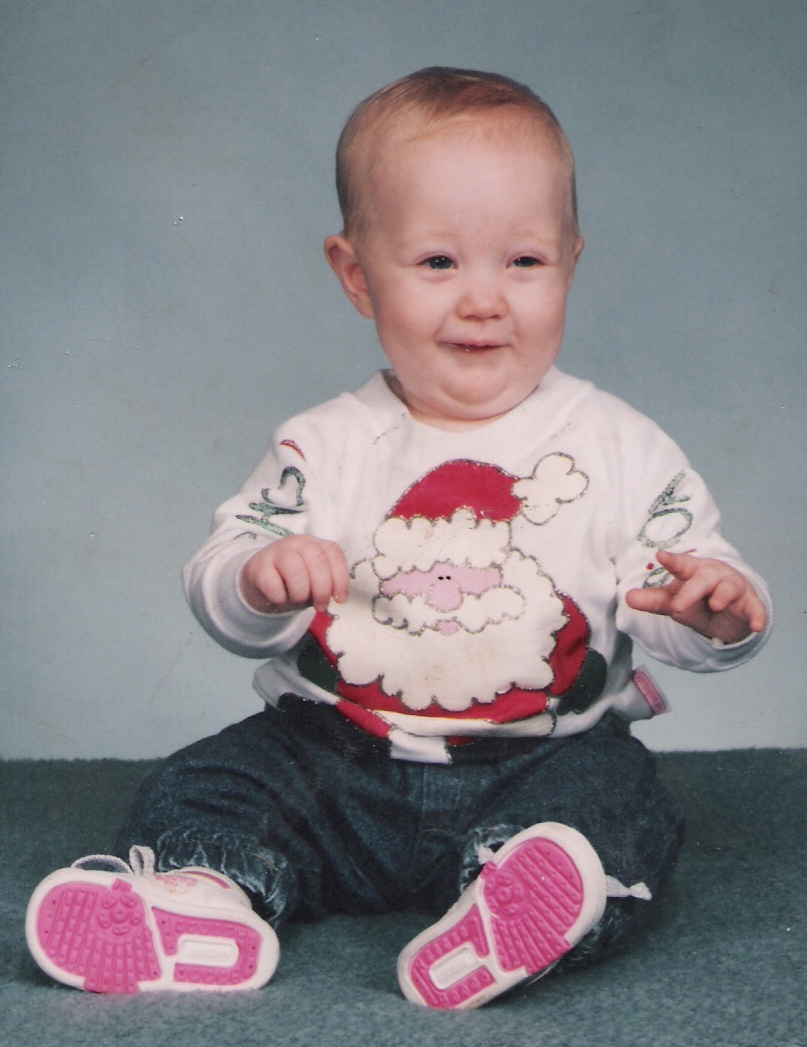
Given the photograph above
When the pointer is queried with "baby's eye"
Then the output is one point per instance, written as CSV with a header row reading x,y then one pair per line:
x,y
438,261
525,261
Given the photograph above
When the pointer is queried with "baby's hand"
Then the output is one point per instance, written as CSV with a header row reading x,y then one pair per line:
x,y
705,595
293,573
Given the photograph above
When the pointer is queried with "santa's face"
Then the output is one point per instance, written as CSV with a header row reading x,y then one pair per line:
x,y
438,598
465,269
393,631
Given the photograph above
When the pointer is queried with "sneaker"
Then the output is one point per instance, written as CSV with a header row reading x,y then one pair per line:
x,y
536,897
134,930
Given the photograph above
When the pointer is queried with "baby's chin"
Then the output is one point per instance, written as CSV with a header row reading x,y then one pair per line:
x,y
455,423
468,415
462,408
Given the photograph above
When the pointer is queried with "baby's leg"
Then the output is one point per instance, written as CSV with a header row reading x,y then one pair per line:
x,y
167,923
209,805
604,785
573,840
288,804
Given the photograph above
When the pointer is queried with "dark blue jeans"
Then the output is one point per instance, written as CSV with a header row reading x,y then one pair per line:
x,y
310,816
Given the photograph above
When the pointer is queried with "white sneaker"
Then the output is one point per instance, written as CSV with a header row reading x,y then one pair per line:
x,y
536,897
134,930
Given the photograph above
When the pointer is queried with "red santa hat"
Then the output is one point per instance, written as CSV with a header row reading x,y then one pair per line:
x,y
485,489
460,512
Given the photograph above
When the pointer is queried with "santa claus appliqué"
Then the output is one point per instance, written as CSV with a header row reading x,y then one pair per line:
x,y
449,618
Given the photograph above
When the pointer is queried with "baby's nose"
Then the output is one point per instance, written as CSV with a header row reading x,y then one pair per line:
x,y
481,298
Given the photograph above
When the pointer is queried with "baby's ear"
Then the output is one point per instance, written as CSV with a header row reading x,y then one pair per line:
x,y
342,258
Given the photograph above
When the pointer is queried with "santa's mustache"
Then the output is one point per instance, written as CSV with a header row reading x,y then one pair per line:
x,y
415,614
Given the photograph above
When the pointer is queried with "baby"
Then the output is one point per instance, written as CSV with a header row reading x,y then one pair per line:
x,y
446,571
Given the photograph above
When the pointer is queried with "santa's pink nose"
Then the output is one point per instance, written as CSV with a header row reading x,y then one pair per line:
x,y
445,594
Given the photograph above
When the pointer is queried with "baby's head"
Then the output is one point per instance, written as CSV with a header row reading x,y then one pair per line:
x,y
460,239
428,102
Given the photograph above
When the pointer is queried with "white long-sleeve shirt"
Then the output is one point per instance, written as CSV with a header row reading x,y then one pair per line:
x,y
489,567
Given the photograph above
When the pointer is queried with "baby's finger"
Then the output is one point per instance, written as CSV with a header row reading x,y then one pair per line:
x,y
340,574
268,581
749,609
680,565
294,572
317,571
727,592
757,615
690,594
653,601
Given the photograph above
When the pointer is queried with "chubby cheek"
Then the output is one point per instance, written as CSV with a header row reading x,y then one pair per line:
x,y
545,316
407,308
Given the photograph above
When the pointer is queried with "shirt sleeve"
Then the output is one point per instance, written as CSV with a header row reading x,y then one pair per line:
x,y
668,506
274,502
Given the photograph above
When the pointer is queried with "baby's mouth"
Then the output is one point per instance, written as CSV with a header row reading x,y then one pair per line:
x,y
476,347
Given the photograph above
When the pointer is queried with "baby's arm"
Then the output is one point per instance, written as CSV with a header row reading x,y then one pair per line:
x,y
706,595
295,572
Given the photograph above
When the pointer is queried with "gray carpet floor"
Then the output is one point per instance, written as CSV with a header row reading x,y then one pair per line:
x,y
724,966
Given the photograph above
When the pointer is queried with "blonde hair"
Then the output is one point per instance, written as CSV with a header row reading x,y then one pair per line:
x,y
431,97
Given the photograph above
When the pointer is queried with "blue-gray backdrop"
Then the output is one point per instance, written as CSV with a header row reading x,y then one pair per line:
x,y
166,186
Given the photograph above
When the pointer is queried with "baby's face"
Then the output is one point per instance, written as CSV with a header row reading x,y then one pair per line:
x,y
465,266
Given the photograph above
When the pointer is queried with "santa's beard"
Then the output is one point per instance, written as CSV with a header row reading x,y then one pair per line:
x,y
415,614
412,659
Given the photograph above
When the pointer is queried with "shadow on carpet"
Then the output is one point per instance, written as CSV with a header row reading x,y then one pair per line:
x,y
724,965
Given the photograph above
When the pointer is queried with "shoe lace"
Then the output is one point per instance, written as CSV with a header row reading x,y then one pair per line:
x,y
615,889
141,861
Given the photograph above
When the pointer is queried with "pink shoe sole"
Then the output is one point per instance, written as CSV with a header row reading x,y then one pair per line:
x,y
101,932
536,898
